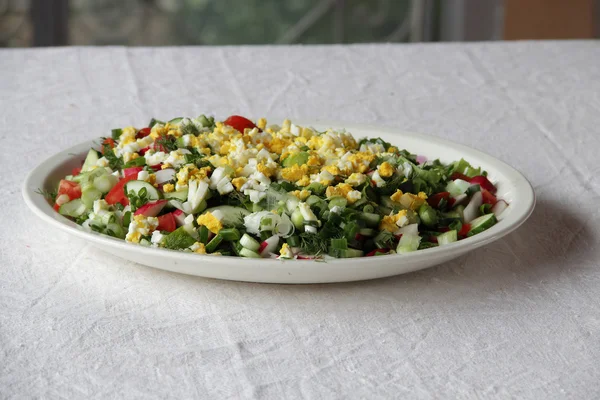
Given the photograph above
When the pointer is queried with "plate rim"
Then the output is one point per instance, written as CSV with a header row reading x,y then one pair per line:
x,y
39,205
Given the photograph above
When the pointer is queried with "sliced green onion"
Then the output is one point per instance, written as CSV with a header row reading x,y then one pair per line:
x,y
367,232
455,225
337,201
368,208
293,241
230,234
214,243
340,244
203,233
350,230
371,219
126,218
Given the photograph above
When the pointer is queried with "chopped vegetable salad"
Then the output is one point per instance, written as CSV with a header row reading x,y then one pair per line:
x,y
250,189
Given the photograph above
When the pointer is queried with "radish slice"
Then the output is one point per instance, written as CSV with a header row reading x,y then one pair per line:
x,y
484,183
268,246
499,208
164,175
179,217
472,209
421,159
151,209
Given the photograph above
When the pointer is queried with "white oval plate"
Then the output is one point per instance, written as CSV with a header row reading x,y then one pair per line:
x,y
512,187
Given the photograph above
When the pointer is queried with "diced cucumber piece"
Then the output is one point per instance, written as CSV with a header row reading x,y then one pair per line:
x,y
90,160
230,215
245,252
178,239
428,215
136,186
89,196
249,242
105,182
180,195
179,142
115,230
74,208
295,159
482,223
175,121
345,253
408,243
447,237
457,187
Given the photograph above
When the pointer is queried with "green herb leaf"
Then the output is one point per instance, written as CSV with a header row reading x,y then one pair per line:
x,y
49,195
312,243
114,162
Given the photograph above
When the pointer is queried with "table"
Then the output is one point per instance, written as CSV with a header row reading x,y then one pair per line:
x,y
517,319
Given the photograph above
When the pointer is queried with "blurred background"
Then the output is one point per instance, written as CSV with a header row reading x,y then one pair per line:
x,y
27,23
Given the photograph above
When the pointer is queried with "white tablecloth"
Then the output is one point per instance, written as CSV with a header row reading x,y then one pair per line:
x,y
519,318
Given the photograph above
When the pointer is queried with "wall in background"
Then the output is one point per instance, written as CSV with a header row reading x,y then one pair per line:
x,y
217,22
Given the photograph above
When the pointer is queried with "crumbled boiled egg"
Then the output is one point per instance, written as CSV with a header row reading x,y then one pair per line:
x,y
344,190
385,169
301,194
391,223
102,162
413,201
155,158
285,251
306,212
190,172
198,248
356,179
238,182
210,221
379,181
177,157
294,173
157,237
140,226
